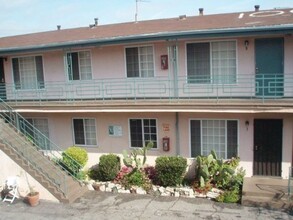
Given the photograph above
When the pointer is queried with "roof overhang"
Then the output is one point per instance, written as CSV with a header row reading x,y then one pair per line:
x,y
211,33
207,110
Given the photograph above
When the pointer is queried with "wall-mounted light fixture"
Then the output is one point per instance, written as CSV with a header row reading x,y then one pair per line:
x,y
247,124
246,43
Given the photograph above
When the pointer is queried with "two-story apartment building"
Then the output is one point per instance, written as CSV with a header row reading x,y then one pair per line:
x,y
189,84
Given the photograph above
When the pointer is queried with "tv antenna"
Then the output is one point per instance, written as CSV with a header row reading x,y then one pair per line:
x,y
136,7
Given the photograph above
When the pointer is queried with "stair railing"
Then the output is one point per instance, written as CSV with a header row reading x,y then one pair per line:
x,y
40,141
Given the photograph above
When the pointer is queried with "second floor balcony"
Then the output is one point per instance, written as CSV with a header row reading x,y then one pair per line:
x,y
261,87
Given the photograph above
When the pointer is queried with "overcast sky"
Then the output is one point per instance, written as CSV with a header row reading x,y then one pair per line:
x,y
27,16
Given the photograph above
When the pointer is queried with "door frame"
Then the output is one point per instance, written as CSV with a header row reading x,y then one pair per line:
x,y
269,162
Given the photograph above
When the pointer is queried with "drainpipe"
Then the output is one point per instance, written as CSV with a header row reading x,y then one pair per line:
x,y
177,134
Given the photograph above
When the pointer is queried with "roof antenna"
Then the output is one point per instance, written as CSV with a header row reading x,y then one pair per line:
x,y
136,8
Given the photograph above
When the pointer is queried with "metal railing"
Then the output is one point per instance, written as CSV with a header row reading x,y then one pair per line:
x,y
249,86
30,140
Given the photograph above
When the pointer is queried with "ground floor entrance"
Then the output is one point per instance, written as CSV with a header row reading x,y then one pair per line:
x,y
268,135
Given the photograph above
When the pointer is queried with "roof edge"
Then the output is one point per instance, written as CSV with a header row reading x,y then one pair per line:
x,y
243,31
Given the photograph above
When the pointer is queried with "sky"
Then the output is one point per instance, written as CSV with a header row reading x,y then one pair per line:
x,y
29,16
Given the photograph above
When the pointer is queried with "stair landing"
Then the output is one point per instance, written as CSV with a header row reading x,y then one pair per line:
x,y
269,192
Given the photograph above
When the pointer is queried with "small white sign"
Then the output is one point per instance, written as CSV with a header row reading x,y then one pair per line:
x,y
115,130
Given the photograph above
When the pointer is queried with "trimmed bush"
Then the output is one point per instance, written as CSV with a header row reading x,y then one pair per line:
x,y
107,169
170,170
74,159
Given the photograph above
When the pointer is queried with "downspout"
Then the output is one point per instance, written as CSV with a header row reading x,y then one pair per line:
x,y
177,134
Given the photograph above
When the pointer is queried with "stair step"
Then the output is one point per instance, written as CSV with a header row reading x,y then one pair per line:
x,y
44,170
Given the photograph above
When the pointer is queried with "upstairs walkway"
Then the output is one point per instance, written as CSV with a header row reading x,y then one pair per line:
x,y
268,192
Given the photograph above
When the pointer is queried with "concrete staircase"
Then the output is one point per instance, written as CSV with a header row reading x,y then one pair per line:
x,y
39,164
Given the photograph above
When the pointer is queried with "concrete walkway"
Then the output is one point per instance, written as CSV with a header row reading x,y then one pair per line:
x,y
99,205
266,192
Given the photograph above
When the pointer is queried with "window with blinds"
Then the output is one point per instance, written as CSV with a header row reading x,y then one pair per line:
x,y
211,62
139,61
218,135
28,72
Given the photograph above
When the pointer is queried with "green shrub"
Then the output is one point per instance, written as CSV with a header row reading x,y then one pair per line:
x,y
107,169
134,178
229,197
74,159
137,178
170,170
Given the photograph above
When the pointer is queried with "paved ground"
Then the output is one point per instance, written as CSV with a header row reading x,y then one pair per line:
x,y
98,205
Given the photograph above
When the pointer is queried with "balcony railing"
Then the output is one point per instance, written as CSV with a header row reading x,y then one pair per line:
x,y
261,86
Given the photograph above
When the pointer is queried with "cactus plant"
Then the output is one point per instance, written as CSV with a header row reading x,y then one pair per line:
x,y
212,169
133,159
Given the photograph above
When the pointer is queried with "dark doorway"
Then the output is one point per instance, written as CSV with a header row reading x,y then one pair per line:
x,y
2,80
269,67
267,147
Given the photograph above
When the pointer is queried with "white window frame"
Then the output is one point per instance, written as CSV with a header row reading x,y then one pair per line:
x,y
139,62
210,53
34,119
226,136
143,140
80,73
35,72
84,127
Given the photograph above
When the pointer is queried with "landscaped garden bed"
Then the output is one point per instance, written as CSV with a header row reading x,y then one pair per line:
x,y
215,178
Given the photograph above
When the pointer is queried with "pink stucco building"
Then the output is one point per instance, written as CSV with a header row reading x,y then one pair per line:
x,y
222,82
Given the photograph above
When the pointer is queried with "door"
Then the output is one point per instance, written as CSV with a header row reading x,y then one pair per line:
x,y
269,70
267,147
2,80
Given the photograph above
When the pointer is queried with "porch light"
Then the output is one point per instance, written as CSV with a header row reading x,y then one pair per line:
x,y
247,124
246,43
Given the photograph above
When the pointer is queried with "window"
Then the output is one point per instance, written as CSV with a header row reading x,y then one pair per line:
x,y
28,72
142,131
139,61
84,131
30,127
79,65
218,135
213,62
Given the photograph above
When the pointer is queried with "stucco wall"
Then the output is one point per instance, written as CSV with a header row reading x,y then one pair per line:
x,y
109,61
60,127
10,168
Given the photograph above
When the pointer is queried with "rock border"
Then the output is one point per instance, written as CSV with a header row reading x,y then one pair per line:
x,y
182,191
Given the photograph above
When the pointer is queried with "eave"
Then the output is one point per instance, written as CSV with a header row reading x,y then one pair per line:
x,y
211,33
